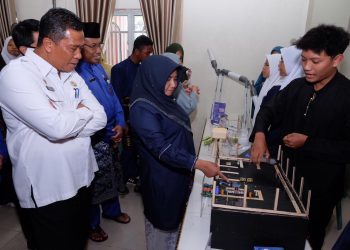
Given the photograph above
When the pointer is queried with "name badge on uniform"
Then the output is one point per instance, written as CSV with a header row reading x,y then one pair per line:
x,y
74,84
106,79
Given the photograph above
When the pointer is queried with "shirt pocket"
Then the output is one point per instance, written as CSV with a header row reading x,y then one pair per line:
x,y
53,97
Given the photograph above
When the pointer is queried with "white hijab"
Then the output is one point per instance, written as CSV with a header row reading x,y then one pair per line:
x,y
292,62
271,81
4,53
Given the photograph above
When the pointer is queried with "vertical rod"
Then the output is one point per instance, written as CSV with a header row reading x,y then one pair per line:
x,y
287,169
308,202
279,153
245,195
293,177
281,162
277,194
301,187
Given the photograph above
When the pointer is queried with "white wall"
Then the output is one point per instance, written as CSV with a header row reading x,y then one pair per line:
x,y
32,9
128,4
67,4
335,12
35,9
331,12
239,33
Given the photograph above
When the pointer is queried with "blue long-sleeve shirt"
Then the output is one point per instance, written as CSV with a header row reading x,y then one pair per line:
x,y
98,82
3,148
122,77
168,157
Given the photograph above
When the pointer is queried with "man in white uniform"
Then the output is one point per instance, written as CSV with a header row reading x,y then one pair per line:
x,y
50,115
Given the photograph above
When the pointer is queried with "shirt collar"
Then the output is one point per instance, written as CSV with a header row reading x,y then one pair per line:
x,y
129,58
84,65
45,68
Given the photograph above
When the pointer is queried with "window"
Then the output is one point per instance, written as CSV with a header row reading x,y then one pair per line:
x,y
125,27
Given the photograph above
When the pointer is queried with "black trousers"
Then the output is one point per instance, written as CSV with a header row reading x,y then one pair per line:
x,y
321,211
60,225
8,194
7,190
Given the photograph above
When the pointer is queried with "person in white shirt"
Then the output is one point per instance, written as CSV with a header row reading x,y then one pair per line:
x,y
50,115
25,36
9,52
270,72
290,67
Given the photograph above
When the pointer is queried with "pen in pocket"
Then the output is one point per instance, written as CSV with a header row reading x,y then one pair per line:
x,y
76,93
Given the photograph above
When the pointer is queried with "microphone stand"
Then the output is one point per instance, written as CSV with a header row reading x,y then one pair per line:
x,y
219,80
248,93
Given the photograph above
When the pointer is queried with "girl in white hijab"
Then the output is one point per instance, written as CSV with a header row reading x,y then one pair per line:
x,y
289,69
9,50
290,66
272,75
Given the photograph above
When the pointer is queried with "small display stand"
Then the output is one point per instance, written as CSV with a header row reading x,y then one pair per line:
x,y
257,206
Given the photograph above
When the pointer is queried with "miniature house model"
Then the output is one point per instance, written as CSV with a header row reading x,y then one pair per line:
x,y
258,206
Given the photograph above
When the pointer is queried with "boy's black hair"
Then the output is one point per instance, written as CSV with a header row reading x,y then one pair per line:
x,y
22,33
56,22
142,41
331,39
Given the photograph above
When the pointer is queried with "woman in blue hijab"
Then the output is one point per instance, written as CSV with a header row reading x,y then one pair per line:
x,y
165,143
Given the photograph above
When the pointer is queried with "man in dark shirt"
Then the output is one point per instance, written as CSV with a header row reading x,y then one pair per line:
x,y
123,73
314,116
122,78
25,35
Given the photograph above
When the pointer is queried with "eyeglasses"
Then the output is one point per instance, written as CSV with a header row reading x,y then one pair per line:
x,y
95,45
312,98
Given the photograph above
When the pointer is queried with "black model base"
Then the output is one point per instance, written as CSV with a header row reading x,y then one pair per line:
x,y
237,230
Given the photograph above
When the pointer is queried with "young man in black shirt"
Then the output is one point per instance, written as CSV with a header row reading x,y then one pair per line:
x,y
314,116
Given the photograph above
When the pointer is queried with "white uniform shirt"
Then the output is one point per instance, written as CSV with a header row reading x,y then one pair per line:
x,y
48,138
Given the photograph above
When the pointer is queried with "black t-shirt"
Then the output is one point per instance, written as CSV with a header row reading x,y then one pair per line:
x,y
324,116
